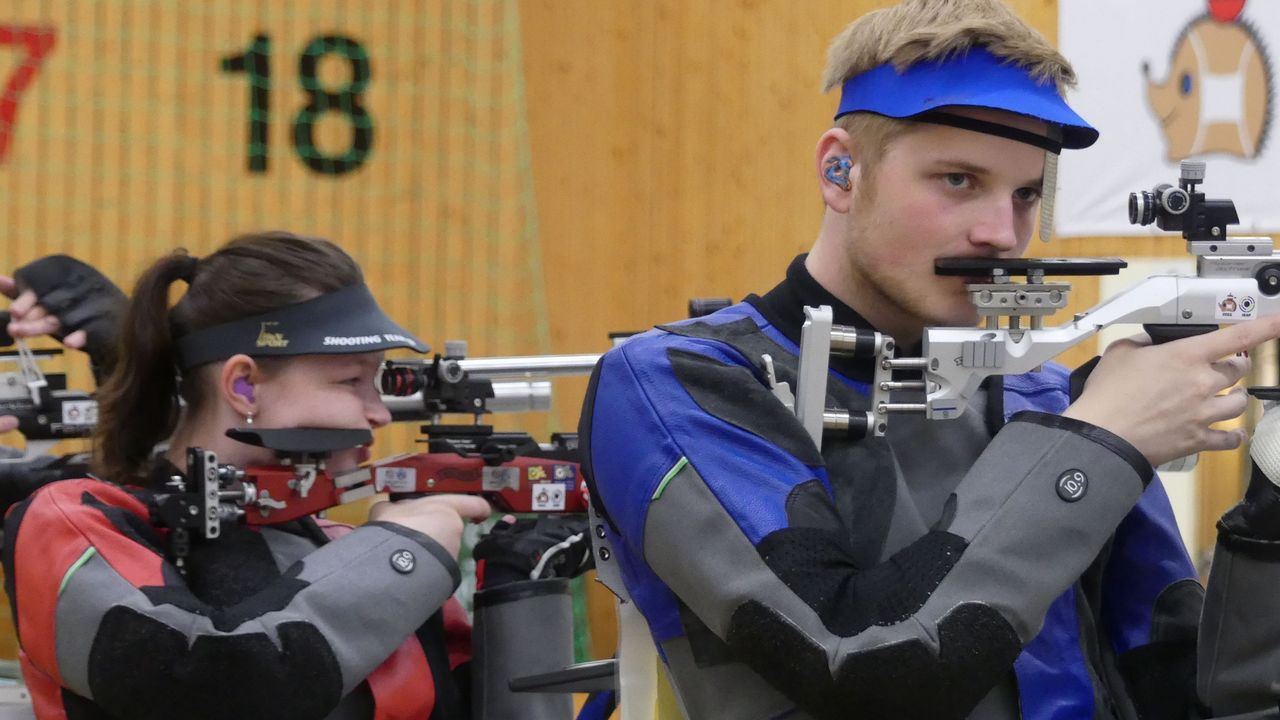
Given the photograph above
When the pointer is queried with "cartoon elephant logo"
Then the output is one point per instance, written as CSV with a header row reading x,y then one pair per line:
x,y
1218,94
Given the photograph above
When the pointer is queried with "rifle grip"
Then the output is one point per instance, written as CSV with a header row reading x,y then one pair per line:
x,y
1161,334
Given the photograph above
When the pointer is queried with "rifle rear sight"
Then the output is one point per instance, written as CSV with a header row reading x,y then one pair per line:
x,y
1203,223
1184,208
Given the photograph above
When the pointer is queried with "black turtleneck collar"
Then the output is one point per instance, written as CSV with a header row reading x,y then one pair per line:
x,y
783,307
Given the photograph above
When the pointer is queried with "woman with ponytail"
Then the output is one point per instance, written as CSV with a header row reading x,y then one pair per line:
x,y
284,621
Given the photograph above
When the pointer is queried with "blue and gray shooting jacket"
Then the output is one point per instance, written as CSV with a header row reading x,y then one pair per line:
x,y
1012,563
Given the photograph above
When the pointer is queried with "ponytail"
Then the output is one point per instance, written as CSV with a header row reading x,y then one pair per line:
x,y
138,405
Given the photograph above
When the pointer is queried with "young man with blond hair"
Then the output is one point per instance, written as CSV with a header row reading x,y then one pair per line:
x,y
935,572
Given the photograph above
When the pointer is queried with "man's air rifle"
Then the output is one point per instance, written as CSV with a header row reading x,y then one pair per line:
x,y
1237,279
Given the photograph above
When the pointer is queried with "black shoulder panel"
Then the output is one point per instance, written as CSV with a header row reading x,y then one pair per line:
x,y
733,394
746,338
231,677
904,681
729,332
129,525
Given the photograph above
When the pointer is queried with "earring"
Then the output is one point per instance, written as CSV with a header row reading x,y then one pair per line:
x,y
248,419
837,171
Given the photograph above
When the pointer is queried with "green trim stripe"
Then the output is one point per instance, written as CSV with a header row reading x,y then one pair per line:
x,y
76,566
670,474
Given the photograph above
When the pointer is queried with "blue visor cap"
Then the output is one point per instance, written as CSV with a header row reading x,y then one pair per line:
x,y
344,321
974,79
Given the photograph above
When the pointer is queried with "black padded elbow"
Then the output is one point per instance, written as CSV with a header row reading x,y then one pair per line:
x,y
142,668
818,565
905,680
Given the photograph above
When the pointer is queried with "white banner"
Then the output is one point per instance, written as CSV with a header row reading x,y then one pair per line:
x,y
1166,80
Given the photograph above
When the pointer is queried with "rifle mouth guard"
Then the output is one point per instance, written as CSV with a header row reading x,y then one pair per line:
x,y
303,441
344,321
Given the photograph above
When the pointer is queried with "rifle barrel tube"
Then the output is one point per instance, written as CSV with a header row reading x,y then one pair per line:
x,y
529,366
517,396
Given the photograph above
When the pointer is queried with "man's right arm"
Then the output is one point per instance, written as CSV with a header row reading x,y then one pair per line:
x,y
713,486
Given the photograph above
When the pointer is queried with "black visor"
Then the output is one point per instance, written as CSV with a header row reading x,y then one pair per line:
x,y
341,322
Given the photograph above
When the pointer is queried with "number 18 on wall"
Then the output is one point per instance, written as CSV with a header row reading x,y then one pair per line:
x,y
255,63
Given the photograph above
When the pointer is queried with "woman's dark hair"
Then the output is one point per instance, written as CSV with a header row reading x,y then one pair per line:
x,y
250,275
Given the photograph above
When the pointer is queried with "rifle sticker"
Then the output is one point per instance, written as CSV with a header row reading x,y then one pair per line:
x,y
548,496
500,478
80,412
396,479
1231,307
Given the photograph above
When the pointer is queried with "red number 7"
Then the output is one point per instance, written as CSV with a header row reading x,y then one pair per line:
x,y
37,41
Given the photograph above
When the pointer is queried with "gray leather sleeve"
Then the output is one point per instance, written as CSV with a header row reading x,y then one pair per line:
x,y
1030,516
360,595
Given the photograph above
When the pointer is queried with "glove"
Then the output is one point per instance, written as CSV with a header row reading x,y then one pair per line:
x,y
19,479
1257,517
82,299
512,551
